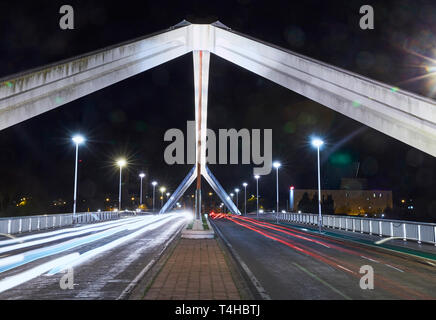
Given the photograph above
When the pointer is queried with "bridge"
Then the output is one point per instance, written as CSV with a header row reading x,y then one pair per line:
x,y
402,115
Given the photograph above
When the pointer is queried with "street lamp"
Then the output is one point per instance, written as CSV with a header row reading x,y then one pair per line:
x,y
121,163
154,183
257,195
77,139
237,200
277,165
317,143
141,175
245,197
162,190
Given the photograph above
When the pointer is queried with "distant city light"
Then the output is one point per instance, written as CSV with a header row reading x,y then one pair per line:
x,y
154,183
245,184
256,177
276,164
142,175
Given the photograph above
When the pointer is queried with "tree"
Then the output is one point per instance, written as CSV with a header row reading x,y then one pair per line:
x,y
305,205
328,205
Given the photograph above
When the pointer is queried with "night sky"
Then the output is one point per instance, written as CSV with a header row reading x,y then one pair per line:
x,y
130,118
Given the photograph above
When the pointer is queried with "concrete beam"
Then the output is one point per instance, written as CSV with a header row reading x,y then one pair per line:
x,y
31,93
402,115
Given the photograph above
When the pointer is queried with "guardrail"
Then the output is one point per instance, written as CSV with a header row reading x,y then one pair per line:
x,y
14,225
406,230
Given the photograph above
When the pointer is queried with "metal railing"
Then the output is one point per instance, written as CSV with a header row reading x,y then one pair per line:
x,y
406,230
14,225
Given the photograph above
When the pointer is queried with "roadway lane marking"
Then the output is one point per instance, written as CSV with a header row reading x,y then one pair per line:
x,y
388,265
62,236
22,239
20,278
139,277
70,260
370,259
322,281
268,226
345,268
37,254
85,256
256,283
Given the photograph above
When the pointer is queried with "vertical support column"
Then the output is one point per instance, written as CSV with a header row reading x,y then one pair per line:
x,y
201,82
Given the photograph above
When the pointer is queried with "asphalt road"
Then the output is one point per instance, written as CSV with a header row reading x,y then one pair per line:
x,y
104,258
291,263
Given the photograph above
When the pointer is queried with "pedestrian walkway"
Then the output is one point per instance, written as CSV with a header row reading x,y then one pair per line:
x,y
196,270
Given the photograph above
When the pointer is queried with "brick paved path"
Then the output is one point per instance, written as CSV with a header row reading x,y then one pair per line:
x,y
196,270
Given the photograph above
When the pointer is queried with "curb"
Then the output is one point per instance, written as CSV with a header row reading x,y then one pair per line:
x,y
255,287
134,283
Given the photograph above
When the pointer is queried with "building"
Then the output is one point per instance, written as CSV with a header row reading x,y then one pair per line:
x,y
350,199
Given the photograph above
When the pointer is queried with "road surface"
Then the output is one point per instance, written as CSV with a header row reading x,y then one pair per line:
x,y
292,263
103,258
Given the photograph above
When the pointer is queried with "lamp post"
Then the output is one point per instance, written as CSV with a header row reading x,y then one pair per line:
x,y
257,195
141,175
77,139
121,163
317,143
154,183
237,198
162,190
245,197
277,165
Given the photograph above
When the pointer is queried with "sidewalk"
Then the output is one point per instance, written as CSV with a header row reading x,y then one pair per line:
x,y
196,270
